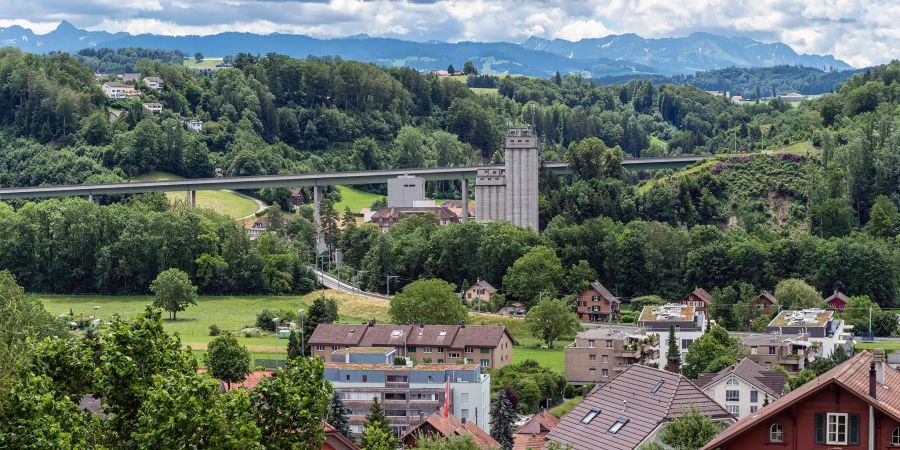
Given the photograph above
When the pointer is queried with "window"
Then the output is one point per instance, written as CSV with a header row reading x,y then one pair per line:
x,y
732,382
469,350
754,350
592,357
609,344
605,359
440,350
776,433
320,348
754,396
348,378
440,361
685,343
620,422
453,355
895,436
753,409
365,378
485,363
732,395
592,373
464,397
410,349
427,350
772,350
485,351
734,410
837,429
589,416
605,373
465,414
591,344
656,388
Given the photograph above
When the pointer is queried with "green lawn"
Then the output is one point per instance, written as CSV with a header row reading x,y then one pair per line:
x,y
224,202
484,91
552,359
566,406
207,63
354,199
886,345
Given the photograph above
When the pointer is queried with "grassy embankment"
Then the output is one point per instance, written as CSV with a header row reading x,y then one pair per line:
x,y
224,202
207,63
232,313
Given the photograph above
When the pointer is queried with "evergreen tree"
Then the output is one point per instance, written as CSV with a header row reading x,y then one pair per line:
x,y
673,355
451,70
337,415
557,79
378,419
322,310
293,348
502,418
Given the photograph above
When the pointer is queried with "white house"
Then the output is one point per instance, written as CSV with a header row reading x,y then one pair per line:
x,y
744,387
824,330
194,125
154,82
155,108
686,320
114,90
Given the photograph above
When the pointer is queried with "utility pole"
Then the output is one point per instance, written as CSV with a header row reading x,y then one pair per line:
x,y
302,337
275,319
388,282
870,323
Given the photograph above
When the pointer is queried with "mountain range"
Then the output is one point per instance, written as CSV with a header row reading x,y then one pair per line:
x,y
612,55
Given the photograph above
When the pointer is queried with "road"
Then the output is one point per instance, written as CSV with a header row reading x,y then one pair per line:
x,y
332,282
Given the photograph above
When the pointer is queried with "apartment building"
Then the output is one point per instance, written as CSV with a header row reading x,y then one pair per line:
x,y
824,330
596,304
114,90
686,320
410,392
488,346
600,354
791,351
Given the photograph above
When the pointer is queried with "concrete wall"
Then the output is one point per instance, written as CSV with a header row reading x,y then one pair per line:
x,y
404,191
522,177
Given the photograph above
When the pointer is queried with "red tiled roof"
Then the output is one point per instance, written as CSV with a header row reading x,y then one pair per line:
x,y
390,335
838,295
531,435
601,289
630,395
451,426
364,335
253,378
332,437
852,375
484,285
702,294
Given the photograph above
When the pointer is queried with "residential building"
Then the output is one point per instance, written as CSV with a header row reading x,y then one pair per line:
x,y
824,330
855,406
598,355
387,217
439,426
687,322
191,124
632,410
480,291
793,97
531,434
154,82
489,346
838,300
410,392
699,299
513,309
405,190
260,226
744,387
297,197
456,207
130,77
155,108
114,90
336,441
790,351
766,302
596,304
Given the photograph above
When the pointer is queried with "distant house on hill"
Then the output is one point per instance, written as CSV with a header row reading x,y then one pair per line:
x,y
481,290
154,82
114,90
387,217
793,97
130,77
596,304
766,302
155,108
838,300
699,299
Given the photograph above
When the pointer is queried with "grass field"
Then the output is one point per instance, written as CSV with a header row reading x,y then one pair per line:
x,y
484,91
224,202
354,199
566,406
552,359
207,63
886,345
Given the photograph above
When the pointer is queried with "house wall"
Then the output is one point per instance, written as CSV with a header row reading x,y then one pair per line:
x,y
692,300
585,312
798,423
716,391
578,362
679,336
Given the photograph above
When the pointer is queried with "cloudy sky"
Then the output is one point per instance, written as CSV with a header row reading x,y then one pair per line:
x,y
861,32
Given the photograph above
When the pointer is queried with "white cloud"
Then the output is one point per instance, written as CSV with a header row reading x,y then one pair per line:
x,y
861,32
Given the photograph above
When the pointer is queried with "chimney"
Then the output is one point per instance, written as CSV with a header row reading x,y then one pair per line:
x,y
372,323
462,324
463,420
879,361
872,381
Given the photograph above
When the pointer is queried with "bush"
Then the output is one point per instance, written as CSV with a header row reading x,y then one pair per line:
x,y
214,330
264,320
426,360
629,316
399,361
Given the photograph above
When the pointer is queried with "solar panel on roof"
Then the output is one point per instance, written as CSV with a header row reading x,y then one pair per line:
x,y
656,388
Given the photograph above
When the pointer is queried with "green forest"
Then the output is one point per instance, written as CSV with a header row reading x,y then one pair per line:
x,y
756,214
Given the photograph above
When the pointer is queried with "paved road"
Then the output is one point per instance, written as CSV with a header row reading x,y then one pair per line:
x,y
332,282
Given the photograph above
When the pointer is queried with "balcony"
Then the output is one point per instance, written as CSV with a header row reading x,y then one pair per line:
x,y
396,384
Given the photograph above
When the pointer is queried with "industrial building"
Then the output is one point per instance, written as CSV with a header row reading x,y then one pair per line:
x,y
511,193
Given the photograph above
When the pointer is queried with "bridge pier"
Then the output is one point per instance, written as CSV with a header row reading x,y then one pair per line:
x,y
91,198
193,199
465,199
317,208
187,198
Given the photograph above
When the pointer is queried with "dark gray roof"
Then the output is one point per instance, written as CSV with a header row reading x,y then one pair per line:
x,y
631,395
601,289
769,381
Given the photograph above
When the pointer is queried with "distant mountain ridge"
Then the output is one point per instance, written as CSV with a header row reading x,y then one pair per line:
x,y
614,55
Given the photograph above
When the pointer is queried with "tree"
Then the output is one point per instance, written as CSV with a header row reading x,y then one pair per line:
x,y
451,70
884,218
429,301
198,57
337,415
469,68
711,352
294,347
174,291
537,272
794,293
377,419
502,419
323,310
557,78
457,442
580,275
376,438
34,416
690,431
289,408
551,319
227,359
189,411
673,355
857,313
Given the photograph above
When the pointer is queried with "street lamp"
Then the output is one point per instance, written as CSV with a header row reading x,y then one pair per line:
x,y
302,337
275,319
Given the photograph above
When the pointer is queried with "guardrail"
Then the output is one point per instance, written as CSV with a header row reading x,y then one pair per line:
x,y
333,282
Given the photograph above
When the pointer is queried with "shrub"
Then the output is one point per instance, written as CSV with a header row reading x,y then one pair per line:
x,y
264,320
214,330
399,361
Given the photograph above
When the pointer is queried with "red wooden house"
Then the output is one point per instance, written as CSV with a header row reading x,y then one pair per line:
x,y
596,304
834,411
699,299
838,301
766,302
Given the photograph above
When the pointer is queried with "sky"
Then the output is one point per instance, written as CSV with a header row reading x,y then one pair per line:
x,y
860,32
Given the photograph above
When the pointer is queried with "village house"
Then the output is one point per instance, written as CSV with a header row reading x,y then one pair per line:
x,y
790,351
130,77
744,387
297,197
598,355
155,108
686,321
336,441
531,435
480,291
489,346
824,330
854,406
440,426
699,299
766,302
387,217
456,207
154,83
513,309
632,410
838,300
597,304
114,90
260,226
192,124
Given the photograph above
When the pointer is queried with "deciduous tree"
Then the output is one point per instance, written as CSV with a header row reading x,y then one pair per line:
x,y
551,319
430,302
227,359
174,291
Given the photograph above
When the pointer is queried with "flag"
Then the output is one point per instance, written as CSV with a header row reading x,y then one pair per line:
x,y
445,411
